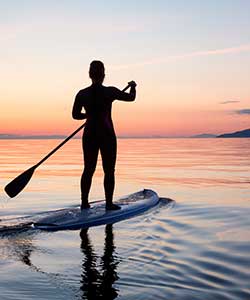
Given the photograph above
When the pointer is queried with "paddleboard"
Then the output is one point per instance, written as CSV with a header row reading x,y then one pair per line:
x,y
74,218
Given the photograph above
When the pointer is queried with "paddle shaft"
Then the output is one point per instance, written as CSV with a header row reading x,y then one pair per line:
x,y
67,139
60,145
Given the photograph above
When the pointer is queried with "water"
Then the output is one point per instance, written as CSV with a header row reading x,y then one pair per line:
x,y
196,248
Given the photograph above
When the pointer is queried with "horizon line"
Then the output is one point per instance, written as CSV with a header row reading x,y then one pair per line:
x,y
56,136
11,136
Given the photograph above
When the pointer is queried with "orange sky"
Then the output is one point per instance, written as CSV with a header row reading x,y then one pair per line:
x,y
183,74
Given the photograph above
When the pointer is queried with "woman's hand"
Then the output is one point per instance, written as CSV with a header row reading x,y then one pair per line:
x,y
132,84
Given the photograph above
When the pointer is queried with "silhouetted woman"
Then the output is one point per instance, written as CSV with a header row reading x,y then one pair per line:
x,y
99,132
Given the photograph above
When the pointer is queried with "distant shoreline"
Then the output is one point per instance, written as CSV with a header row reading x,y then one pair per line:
x,y
120,137
238,134
79,137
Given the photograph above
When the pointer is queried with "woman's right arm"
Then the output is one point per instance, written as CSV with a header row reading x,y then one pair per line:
x,y
77,108
120,95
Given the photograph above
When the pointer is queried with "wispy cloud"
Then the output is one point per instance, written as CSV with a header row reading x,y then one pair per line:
x,y
56,25
229,101
223,51
245,111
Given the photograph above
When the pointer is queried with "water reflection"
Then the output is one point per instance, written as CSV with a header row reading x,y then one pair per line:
x,y
97,274
97,282
19,246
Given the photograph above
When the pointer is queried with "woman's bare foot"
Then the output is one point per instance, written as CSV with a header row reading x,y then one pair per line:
x,y
112,206
85,206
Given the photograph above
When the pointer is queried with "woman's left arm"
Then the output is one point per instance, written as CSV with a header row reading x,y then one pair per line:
x,y
77,113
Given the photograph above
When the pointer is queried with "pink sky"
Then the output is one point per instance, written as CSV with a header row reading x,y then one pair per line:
x,y
185,66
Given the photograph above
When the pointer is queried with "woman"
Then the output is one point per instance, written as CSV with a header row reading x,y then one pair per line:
x,y
99,132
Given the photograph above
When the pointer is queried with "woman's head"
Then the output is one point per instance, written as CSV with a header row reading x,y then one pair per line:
x,y
97,71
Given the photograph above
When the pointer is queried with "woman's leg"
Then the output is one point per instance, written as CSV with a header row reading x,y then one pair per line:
x,y
90,151
108,149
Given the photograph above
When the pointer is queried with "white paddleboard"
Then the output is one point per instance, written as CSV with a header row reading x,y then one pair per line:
x,y
74,218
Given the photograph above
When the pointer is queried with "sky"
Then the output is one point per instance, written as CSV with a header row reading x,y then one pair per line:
x,y
190,59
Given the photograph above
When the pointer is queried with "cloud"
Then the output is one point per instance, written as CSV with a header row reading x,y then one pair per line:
x,y
223,51
229,101
56,25
245,111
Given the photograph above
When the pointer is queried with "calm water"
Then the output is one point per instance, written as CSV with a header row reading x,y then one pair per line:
x,y
196,248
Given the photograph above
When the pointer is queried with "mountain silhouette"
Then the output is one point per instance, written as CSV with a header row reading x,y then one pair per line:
x,y
238,134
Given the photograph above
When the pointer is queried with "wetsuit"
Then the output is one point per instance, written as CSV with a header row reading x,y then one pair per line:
x,y
99,134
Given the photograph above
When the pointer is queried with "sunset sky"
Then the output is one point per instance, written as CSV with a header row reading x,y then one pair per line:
x,y
190,59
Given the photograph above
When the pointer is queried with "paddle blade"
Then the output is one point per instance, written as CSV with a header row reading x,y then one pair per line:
x,y
18,184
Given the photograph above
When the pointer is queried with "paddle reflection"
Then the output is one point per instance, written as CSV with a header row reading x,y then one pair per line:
x,y
97,281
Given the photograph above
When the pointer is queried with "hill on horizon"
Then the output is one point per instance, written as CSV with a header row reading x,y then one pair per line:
x,y
237,134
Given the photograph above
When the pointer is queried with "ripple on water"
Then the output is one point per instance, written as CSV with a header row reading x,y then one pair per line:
x,y
173,252
182,261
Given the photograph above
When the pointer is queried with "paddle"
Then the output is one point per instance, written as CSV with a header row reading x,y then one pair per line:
x,y
18,184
